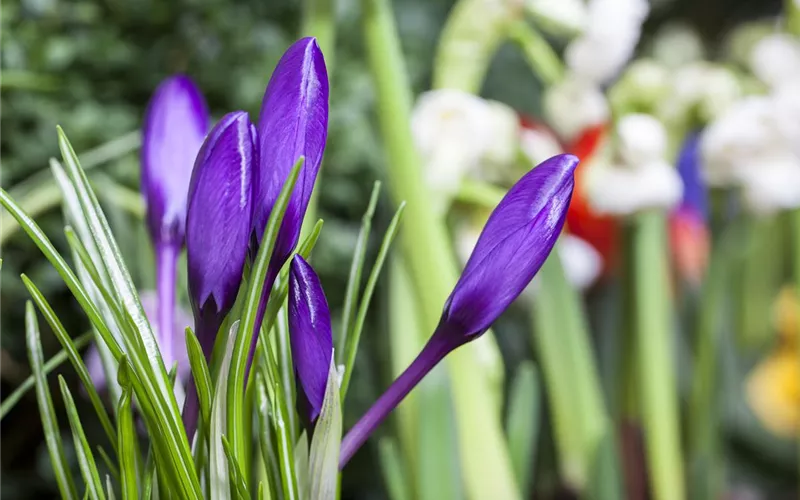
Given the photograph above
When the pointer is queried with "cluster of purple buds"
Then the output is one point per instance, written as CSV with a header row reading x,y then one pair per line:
x,y
227,197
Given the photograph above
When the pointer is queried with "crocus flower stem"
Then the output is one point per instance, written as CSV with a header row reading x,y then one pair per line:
x,y
166,263
434,351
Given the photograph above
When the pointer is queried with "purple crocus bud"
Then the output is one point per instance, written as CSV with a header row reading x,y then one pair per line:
x,y
515,242
175,124
311,339
218,229
293,124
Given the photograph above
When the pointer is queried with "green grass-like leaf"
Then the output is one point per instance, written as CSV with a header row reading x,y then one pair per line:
x,y
323,460
163,414
201,374
85,458
266,440
352,342
52,434
218,462
127,444
235,473
75,359
29,383
236,383
354,278
522,423
393,473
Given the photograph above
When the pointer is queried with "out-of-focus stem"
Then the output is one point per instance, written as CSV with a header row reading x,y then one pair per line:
x,y
796,268
166,263
654,347
485,461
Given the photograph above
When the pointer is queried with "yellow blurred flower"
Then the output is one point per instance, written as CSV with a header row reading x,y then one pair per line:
x,y
773,392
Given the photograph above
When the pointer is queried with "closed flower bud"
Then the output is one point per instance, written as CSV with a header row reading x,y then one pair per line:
x,y
310,336
219,222
514,244
175,125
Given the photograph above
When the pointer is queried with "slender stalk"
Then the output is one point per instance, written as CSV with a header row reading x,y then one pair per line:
x,y
483,452
657,378
538,53
433,352
796,268
166,268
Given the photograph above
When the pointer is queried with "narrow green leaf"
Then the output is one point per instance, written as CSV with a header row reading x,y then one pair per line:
x,y
163,416
218,461
110,488
301,470
52,434
127,446
237,483
280,410
282,345
354,337
266,438
522,424
236,381
84,453
12,399
392,466
75,359
201,374
356,267
149,476
323,462
112,467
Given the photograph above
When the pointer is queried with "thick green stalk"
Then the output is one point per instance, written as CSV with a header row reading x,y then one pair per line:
x,y
582,426
485,461
654,349
795,248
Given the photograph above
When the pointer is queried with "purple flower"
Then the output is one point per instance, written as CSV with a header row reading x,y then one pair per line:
x,y
293,123
174,336
311,339
695,196
175,124
218,229
515,242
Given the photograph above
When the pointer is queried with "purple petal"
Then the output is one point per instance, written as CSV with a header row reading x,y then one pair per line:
x,y
517,239
695,196
219,216
293,123
175,124
310,334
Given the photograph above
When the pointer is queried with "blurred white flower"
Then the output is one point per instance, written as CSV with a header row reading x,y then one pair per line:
x,y
702,88
775,59
582,262
676,45
621,190
756,146
572,105
538,144
558,16
609,40
640,178
456,132
642,139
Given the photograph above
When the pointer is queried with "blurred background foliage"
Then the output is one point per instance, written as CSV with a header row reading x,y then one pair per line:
x,y
91,65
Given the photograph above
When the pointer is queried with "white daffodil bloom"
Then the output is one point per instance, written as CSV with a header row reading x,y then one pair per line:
x,y
559,16
573,105
457,132
613,30
641,179
771,184
677,45
775,59
582,262
538,145
503,142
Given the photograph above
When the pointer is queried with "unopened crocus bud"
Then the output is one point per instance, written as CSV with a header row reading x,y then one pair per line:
x,y
293,123
310,337
514,244
175,124
218,229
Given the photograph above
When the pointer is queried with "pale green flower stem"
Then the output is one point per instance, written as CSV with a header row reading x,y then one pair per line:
x,y
484,456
